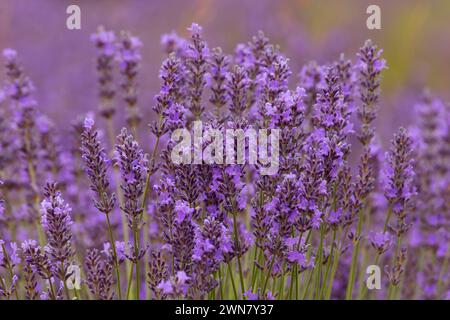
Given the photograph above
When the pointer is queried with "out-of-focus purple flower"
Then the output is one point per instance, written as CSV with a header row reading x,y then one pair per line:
x,y
399,186
381,241
312,80
165,287
183,210
18,86
176,286
173,43
334,218
19,89
105,43
129,57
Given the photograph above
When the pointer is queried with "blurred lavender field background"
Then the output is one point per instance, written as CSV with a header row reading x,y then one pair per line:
x,y
61,62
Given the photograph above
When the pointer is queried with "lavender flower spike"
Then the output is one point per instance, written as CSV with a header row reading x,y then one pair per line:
x,y
218,78
129,58
370,66
57,222
105,44
399,186
197,66
96,167
133,167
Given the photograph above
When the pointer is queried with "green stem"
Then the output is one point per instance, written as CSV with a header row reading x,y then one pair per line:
x,y
236,237
112,138
10,270
263,293
66,290
319,261
391,290
116,262
130,281
352,276
52,290
254,273
144,202
222,296
281,287
330,258
443,272
136,253
365,290
308,284
230,272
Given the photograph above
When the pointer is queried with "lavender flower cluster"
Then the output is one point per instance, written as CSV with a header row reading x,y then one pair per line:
x,y
105,214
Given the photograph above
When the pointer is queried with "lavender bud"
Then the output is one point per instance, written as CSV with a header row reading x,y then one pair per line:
x,y
105,44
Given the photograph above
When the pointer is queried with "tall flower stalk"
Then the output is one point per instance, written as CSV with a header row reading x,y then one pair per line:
x,y
399,191
96,166
133,168
19,88
57,222
129,57
370,66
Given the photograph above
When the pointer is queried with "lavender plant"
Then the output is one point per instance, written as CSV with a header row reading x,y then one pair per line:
x,y
211,230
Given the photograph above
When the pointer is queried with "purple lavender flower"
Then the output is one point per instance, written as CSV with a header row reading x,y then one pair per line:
x,y
19,89
370,66
133,168
237,86
96,166
332,115
57,222
168,109
212,243
218,78
157,274
129,57
334,218
312,186
9,259
106,49
172,43
312,80
183,237
197,67
399,188
176,286
49,149
99,275
381,241
273,80
38,259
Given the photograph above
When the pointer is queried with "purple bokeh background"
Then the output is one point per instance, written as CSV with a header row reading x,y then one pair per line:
x,y
61,63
